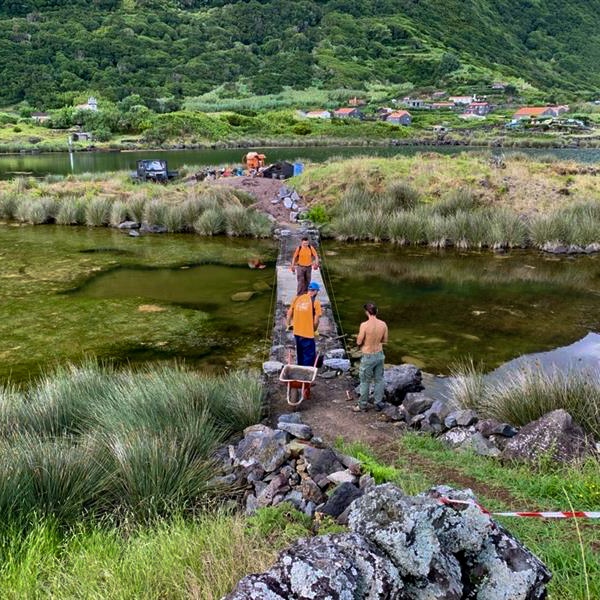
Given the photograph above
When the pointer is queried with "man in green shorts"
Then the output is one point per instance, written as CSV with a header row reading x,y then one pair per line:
x,y
373,333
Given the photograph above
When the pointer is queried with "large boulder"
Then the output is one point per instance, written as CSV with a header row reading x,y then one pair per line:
x,y
334,567
400,380
435,545
555,436
264,447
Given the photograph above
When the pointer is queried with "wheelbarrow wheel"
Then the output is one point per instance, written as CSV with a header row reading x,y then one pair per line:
x,y
295,399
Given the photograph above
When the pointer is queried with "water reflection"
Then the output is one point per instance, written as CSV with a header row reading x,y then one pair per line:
x,y
441,307
63,163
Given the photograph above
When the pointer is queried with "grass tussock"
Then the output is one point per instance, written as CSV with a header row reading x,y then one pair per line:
x,y
98,212
72,201
92,441
524,395
71,211
458,220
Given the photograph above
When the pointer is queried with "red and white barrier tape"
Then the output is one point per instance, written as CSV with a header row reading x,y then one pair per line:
x,y
577,514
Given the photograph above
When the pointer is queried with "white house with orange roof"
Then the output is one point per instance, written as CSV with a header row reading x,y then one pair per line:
x,y
537,112
318,114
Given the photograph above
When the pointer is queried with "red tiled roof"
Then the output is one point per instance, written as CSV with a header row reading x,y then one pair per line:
x,y
345,111
398,114
532,110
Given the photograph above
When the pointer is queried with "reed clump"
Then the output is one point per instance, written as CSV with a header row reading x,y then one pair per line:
x,y
89,441
457,220
524,395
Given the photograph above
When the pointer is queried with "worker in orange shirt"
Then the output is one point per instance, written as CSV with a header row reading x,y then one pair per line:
x,y
305,259
304,313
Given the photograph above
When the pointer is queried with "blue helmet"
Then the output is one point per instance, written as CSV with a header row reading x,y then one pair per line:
x,y
313,285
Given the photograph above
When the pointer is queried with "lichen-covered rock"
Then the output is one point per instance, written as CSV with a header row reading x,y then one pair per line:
x,y
398,526
334,567
457,436
266,448
505,570
554,435
438,545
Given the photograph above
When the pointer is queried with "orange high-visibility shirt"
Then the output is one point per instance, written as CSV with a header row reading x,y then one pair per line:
x,y
303,317
304,256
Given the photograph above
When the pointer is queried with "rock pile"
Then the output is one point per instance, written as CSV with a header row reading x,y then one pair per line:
x,y
554,435
290,200
289,464
403,547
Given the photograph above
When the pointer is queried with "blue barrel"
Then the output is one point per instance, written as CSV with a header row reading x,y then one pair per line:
x,y
298,169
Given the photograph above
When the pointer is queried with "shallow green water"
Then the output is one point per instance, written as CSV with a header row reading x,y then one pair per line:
x,y
67,293
441,307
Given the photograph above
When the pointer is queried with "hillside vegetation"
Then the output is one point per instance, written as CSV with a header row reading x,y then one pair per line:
x,y
52,50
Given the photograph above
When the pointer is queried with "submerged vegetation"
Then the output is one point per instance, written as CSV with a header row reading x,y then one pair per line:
x,y
72,292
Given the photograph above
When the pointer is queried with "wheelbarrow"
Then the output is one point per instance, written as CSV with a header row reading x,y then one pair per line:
x,y
298,380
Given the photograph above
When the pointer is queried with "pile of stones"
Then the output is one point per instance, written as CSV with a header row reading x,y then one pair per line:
x,y
554,435
409,547
289,464
290,200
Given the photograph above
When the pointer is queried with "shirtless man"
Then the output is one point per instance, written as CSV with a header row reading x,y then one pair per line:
x,y
373,333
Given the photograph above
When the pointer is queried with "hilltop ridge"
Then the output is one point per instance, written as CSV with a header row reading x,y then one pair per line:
x,y
52,50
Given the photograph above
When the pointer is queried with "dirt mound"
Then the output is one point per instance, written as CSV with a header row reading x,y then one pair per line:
x,y
264,190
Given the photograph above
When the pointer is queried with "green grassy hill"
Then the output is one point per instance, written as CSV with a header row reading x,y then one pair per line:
x,y
51,51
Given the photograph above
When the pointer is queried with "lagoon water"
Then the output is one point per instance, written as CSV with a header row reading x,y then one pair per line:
x,y
68,293
443,307
73,292
62,163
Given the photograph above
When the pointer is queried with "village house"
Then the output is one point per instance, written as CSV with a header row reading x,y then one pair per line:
x,y
383,112
318,114
498,86
481,109
536,112
442,105
81,136
461,99
91,104
415,102
347,113
399,117
40,117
